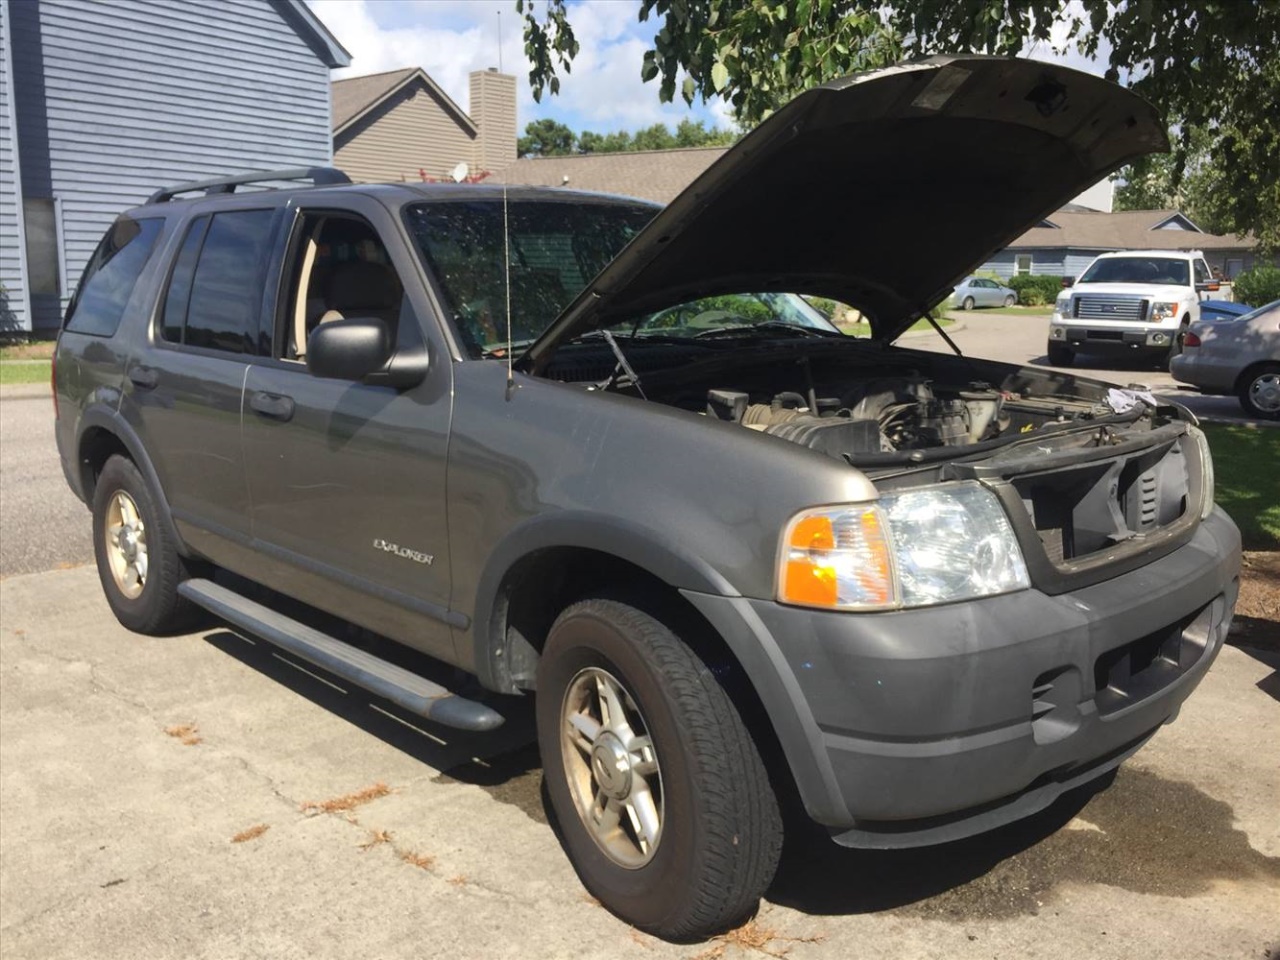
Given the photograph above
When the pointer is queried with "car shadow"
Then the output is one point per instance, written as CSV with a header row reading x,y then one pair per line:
x,y
818,876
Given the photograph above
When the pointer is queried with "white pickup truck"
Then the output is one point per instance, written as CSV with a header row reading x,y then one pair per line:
x,y
1133,301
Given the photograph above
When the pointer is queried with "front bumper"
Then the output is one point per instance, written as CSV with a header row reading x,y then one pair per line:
x,y
921,726
1103,337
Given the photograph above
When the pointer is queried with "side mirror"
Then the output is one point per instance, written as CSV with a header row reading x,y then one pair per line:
x,y
1212,285
360,349
348,349
1068,282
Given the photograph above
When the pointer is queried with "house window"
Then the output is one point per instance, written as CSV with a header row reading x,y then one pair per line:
x,y
1022,263
44,251
1234,267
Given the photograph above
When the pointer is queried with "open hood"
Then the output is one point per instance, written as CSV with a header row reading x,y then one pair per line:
x,y
879,190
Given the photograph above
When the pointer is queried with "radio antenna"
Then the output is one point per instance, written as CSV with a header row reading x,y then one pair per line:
x,y
506,266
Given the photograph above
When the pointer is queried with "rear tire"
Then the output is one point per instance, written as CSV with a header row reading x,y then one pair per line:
x,y
967,304
138,563
1061,356
1259,391
683,750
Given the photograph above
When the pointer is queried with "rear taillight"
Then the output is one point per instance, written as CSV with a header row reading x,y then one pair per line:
x,y
1190,340
53,382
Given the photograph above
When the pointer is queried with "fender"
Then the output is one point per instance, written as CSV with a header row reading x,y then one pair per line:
x,y
110,420
668,560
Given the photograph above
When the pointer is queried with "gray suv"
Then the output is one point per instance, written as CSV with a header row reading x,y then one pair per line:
x,y
604,454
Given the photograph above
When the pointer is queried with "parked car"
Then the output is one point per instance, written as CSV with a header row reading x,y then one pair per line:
x,y
1238,356
1134,302
597,453
980,292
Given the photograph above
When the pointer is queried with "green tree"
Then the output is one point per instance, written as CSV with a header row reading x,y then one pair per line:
x,y
546,138
1209,65
656,137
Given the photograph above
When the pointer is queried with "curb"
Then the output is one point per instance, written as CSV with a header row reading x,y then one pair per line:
x,y
24,391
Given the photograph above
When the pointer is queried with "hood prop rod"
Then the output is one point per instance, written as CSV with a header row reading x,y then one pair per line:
x,y
943,334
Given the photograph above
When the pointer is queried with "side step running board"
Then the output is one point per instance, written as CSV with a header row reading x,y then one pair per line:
x,y
403,688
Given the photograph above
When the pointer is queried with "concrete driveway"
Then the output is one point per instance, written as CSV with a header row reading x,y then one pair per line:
x,y
206,797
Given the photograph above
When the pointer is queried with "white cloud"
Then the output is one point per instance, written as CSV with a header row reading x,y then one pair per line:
x,y
451,38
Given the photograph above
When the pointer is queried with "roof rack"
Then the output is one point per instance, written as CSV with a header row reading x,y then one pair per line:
x,y
318,176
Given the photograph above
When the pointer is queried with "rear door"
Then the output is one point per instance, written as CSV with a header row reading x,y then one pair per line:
x,y
183,387
347,479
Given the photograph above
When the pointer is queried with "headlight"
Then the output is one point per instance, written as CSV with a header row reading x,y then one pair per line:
x,y
911,549
1063,304
1163,311
1206,471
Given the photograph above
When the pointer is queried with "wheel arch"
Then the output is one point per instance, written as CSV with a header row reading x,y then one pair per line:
x,y
102,433
1251,370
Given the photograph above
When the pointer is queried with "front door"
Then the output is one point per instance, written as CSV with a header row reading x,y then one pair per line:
x,y
347,479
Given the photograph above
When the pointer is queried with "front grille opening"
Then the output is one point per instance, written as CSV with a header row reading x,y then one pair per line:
x,y
1097,506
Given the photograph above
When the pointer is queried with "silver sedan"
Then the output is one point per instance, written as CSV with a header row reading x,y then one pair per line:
x,y
980,292
1240,356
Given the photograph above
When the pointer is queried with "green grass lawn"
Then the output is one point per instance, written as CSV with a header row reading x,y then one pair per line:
x,y
864,329
23,371
1247,471
1039,313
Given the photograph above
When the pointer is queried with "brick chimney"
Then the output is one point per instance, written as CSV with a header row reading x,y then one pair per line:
x,y
493,108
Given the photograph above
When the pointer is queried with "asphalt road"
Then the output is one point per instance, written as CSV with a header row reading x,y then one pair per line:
x,y
42,524
131,766
1022,340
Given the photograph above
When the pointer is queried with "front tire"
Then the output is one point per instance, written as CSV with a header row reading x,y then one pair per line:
x,y
1259,392
664,805
1009,301
138,563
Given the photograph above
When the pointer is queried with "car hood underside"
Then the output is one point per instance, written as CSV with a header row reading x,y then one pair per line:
x,y
879,190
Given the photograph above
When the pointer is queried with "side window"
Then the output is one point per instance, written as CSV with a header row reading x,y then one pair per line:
x,y
111,275
341,270
178,295
215,292
1202,272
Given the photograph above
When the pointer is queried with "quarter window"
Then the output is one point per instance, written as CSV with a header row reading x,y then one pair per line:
x,y
111,275
215,294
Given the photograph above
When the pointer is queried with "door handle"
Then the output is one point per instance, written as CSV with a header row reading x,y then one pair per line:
x,y
144,378
272,405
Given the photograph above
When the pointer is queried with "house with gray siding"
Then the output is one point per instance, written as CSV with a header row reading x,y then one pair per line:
x,y
401,126
1066,242
102,102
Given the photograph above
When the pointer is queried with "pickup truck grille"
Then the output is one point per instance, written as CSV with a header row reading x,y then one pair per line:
x,y
1093,307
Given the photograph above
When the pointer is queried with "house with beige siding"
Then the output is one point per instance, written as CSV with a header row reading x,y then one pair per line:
x,y
401,126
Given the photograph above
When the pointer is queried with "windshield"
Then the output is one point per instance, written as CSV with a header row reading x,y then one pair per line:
x,y
1165,270
732,314
556,248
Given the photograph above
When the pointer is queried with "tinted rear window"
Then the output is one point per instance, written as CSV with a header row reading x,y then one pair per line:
x,y
111,275
556,249
215,294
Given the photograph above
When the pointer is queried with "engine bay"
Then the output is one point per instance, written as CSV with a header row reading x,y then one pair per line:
x,y
892,406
